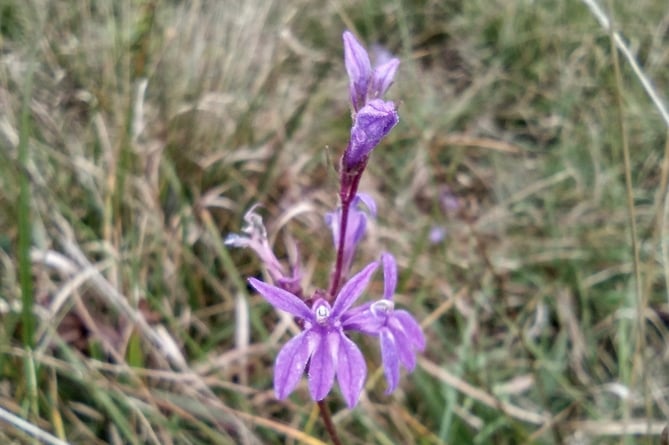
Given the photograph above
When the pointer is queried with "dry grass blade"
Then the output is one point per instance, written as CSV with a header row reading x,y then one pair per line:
x,y
486,143
293,433
605,22
27,427
612,428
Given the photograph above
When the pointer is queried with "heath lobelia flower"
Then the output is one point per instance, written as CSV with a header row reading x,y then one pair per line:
x,y
322,349
366,83
322,344
355,226
400,334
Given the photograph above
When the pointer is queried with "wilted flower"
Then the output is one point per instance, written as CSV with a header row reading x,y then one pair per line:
x,y
254,237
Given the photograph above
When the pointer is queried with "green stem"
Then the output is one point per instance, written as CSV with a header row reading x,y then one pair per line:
x,y
24,217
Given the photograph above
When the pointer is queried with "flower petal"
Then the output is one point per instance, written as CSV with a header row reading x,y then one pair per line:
x,y
404,349
323,364
382,78
352,290
357,224
358,68
368,200
391,364
356,59
282,299
408,336
332,220
379,55
412,328
351,371
361,319
290,364
389,275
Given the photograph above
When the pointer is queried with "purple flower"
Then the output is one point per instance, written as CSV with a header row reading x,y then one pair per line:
x,y
366,83
356,226
372,123
399,333
437,234
322,344
322,349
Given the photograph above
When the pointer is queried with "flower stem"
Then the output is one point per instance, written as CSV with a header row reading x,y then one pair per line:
x,y
327,420
349,187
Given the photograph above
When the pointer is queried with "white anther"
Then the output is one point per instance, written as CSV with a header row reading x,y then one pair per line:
x,y
322,313
382,307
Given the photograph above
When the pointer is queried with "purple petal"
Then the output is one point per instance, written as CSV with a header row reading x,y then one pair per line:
x,y
290,364
357,220
351,371
323,364
357,224
358,67
404,348
380,55
372,123
282,299
412,328
389,275
382,78
333,219
352,290
409,337
368,201
391,364
355,230
361,319
356,227
356,59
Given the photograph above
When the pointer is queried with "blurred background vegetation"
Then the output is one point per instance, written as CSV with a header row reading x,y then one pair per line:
x,y
134,134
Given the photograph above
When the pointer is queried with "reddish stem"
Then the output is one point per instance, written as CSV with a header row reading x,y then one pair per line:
x,y
327,420
348,188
